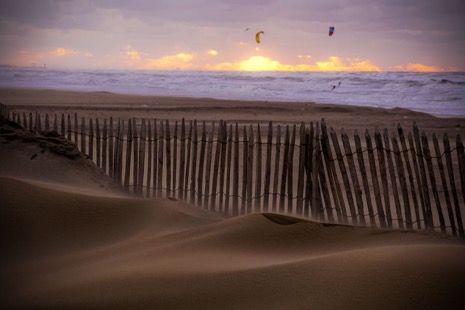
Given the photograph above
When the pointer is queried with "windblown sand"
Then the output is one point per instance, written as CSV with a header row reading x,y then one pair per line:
x,y
70,239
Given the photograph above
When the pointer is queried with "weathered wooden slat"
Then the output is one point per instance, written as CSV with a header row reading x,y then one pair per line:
x,y
135,142
301,170
428,215
315,200
403,182
413,190
208,167
182,160
266,185
276,169
290,174
216,168
142,144
282,192
345,178
444,185
194,163
55,123
332,174
175,158
227,208
127,172
450,170
374,180
91,140
156,138
354,177
160,162
416,169
250,156
110,147
309,135
83,135
222,173
244,171
68,128
383,174
47,122
200,191
392,174
31,127
461,160
427,154
119,151
188,160
168,158
364,177
235,195
149,159
327,207
258,173
98,143
63,124
104,146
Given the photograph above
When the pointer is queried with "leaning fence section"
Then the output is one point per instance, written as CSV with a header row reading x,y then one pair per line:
x,y
382,179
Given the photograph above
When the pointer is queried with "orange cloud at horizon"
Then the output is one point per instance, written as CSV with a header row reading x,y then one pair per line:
x,y
418,68
178,61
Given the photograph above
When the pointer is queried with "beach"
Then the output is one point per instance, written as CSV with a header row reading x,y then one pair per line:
x,y
71,239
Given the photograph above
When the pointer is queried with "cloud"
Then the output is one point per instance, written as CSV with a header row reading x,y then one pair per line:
x,y
415,67
61,51
178,61
212,52
336,64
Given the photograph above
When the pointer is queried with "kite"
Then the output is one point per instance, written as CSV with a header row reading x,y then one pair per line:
x,y
257,36
331,31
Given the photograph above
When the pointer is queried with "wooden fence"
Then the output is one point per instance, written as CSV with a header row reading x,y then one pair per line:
x,y
381,179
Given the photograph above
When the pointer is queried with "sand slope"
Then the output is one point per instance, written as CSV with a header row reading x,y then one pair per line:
x,y
69,239
73,250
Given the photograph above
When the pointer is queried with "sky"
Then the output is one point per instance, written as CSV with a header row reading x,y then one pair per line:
x,y
370,35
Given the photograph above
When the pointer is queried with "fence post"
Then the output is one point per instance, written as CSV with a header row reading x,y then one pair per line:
x,y
354,176
382,168
403,182
175,158
332,174
424,183
216,166
182,159
235,210
301,176
276,169
429,164
392,174
104,146
344,174
200,192
228,170
98,143
461,160
410,175
361,164
168,158
450,169
290,173
244,172
140,174
149,159
223,141
374,179
258,173
188,160
194,163
91,140
161,138
444,185
282,193
127,172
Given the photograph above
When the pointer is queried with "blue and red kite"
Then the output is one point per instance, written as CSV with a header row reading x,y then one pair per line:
x,y
331,31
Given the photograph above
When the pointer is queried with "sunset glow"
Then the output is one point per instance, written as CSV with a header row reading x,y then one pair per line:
x,y
161,36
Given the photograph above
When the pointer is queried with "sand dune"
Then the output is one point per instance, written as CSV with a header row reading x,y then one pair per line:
x,y
70,239
67,250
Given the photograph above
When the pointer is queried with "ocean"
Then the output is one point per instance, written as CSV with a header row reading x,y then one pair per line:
x,y
439,94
